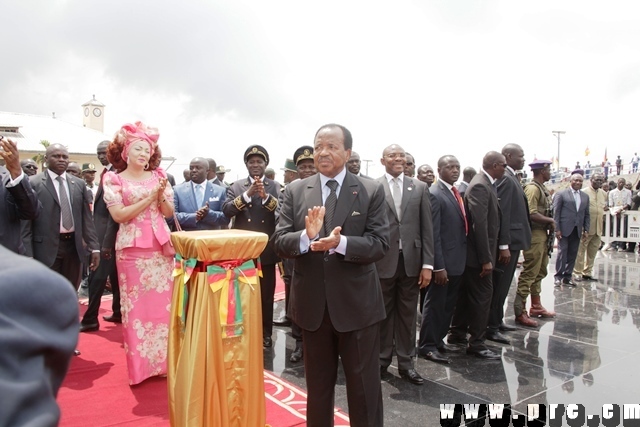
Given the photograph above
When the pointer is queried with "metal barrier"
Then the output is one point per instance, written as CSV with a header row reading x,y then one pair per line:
x,y
626,229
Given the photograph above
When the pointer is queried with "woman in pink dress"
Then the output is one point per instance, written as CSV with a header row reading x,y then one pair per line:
x,y
139,199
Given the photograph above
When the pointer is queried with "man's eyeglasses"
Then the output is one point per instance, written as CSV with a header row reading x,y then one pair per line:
x,y
395,155
31,166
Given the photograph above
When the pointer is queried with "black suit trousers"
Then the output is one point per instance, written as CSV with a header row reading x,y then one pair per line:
x,y
567,252
358,350
437,312
472,308
97,283
502,278
400,294
67,262
267,291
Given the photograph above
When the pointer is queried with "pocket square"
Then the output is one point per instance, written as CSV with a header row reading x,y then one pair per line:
x,y
355,213
214,199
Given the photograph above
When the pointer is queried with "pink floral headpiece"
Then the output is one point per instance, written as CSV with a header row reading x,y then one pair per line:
x,y
130,133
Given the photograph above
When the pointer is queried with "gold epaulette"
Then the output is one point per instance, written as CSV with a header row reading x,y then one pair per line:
x,y
239,203
272,204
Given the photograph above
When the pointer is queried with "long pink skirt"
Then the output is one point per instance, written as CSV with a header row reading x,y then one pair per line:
x,y
146,285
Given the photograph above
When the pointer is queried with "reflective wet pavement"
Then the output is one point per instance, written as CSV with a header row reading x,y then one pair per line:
x,y
589,354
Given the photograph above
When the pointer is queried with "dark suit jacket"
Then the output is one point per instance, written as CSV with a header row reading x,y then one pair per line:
x,y
565,214
38,332
16,203
462,188
515,228
186,207
451,254
254,216
415,229
483,214
348,285
106,227
43,235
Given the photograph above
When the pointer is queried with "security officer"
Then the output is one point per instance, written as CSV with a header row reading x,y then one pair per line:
x,y
253,202
536,258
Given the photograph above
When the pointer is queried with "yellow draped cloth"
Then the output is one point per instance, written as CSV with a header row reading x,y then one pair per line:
x,y
215,356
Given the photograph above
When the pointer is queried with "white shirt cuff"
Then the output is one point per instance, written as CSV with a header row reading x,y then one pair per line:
x,y
16,181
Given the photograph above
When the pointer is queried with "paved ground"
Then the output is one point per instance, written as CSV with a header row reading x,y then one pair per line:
x,y
589,354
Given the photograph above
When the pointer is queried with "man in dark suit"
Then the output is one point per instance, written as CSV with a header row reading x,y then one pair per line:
x,y
571,214
17,198
56,239
474,300
106,230
407,265
450,248
253,203
336,296
515,236
467,176
38,332
198,203
212,176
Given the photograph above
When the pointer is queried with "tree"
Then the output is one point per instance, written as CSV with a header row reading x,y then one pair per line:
x,y
39,158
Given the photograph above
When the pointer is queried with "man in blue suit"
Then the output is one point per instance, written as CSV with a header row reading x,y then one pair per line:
x,y
199,202
450,249
571,214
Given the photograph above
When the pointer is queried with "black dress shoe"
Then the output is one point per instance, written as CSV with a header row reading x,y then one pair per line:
x,y
296,356
484,354
436,356
283,321
89,328
411,375
497,337
383,371
589,278
506,328
568,282
76,352
267,342
112,319
557,282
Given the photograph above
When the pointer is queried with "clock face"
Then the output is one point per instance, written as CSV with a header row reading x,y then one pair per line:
x,y
97,112
86,111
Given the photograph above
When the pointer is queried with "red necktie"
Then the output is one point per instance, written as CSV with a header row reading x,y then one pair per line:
x,y
456,193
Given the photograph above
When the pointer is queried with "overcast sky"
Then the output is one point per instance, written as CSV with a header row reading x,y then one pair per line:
x,y
436,77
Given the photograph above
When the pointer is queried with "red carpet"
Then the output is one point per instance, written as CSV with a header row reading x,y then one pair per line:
x,y
279,295
96,392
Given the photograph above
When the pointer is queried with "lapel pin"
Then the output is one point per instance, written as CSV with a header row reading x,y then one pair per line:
x,y
355,193
409,188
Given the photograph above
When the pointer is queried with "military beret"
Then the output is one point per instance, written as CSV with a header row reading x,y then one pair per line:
x,y
539,164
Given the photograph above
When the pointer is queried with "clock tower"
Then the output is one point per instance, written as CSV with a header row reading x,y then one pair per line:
x,y
93,114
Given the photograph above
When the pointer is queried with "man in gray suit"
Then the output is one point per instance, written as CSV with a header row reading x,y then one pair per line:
x,y
18,201
56,239
407,266
571,214
450,249
474,300
515,235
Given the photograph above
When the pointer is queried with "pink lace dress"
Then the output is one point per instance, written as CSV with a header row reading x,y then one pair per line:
x,y
144,260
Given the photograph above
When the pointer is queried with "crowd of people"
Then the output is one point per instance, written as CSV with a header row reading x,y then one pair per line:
x,y
364,259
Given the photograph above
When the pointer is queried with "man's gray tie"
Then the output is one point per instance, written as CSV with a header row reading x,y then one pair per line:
x,y
199,195
576,198
65,207
397,197
330,206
